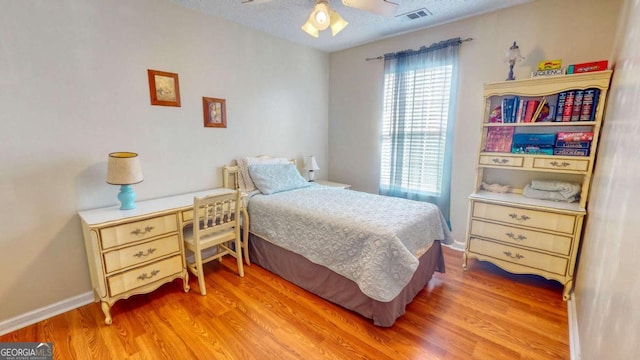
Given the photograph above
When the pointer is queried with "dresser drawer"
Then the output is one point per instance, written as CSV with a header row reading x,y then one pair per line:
x,y
509,161
525,217
522,237
561,164
144,275
531,259
138,230
122,258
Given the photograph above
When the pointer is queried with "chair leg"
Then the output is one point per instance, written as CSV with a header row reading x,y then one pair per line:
x,y
245,235
203,289
239,256
245,246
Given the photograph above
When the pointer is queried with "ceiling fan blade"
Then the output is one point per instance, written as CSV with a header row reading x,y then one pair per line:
x,y
254,1
380,7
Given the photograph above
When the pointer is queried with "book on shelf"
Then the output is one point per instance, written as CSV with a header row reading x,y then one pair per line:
x,y
532,106
577,105
510,109
496,115
589,105
550,64
588,67
547,113
499,139
574,136
550,72
562,97
536,114
568,106
570,151
520,111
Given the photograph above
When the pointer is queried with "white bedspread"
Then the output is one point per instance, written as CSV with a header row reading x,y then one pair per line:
x,y
371,239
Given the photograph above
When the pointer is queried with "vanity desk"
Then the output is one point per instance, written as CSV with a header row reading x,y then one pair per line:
x,y
136,251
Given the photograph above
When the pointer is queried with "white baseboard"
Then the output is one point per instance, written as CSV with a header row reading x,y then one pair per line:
x,y
574,339
46,312
459,246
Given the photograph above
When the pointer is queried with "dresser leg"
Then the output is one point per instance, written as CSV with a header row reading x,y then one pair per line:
x,y
185,281
566,294
464,261
106,309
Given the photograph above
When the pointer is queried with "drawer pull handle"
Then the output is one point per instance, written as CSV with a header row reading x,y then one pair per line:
x,y
562,164
139,232
514,237
500,161
145,276
516,217
516,256
141,254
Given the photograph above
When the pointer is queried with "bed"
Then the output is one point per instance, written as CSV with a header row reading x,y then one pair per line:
x,y
368,253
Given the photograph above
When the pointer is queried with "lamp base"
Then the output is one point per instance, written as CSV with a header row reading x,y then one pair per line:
x,y
312,176
510,75
127,197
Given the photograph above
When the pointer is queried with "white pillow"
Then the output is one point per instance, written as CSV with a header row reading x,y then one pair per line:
x,y
244,179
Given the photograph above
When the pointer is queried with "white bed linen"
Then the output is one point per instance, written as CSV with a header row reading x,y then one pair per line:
x,y
373,240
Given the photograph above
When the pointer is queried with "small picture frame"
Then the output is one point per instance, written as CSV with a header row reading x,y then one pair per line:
x,y
215,112
164,88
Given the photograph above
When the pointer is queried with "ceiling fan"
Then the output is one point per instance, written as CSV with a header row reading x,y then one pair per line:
x,y
323,16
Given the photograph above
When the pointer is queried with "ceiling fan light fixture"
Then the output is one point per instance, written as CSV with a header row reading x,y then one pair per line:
x,y
320,15
310,29
337,23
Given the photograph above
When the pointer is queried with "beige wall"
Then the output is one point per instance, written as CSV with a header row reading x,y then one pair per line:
x,y
608,286
572,30
74,88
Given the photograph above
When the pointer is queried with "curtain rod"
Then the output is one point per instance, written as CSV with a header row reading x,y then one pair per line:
x,y
382,56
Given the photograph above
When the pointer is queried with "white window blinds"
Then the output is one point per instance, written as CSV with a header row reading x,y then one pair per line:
x,y
414,128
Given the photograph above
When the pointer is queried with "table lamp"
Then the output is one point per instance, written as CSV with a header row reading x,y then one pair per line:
x,y
124,169
512,57
311,166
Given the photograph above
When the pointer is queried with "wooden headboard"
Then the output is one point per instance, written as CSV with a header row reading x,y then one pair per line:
x,y
230,174
230,177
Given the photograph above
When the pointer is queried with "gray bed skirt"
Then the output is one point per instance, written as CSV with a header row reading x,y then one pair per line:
x,y
338,289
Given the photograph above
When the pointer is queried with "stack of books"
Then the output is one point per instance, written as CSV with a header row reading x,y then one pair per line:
x,y
533,144
577,105
573,143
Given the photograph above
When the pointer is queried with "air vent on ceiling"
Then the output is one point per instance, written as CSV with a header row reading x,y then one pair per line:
x,y
415,14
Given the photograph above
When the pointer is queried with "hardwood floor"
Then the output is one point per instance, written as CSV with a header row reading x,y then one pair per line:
x,y
481,313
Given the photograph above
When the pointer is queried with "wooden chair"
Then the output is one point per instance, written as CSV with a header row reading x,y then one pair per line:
x,y
216,224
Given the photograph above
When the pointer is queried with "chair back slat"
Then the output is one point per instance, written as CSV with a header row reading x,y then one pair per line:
x,y
215,213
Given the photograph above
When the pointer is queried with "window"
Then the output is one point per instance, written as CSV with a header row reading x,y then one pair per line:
x,y
424,108
417,123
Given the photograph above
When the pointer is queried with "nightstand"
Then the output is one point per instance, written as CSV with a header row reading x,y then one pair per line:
x,y
333,184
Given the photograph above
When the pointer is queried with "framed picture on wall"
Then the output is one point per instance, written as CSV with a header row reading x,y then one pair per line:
x,y
164,88
215,112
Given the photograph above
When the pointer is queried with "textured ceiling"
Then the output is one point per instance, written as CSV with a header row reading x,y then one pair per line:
x,y
283,18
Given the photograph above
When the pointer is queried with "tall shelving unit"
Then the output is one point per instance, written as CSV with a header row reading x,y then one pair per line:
x,y
525,235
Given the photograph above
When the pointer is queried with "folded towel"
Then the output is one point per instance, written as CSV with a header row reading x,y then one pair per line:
x,y
530,192
566,189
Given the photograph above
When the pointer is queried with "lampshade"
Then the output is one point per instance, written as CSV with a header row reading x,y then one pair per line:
x,y
311,164
321,17
513,54
337,23
123,168
309,29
